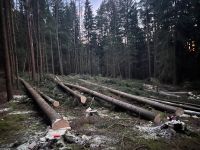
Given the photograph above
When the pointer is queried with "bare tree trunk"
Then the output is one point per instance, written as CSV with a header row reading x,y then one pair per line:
x,y
37,51
25,60
4,8
28,17
148,41
46,57
52,56
57,40
15,50
10,40
39,41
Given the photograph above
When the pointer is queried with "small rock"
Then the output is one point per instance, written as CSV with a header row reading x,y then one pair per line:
x,y
43,139
32,145
117,117
86,138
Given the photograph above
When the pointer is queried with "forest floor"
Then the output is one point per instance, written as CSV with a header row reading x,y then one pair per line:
x,y
112,127
3,94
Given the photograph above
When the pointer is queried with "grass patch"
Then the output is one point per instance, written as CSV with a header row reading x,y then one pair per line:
x,y
10,126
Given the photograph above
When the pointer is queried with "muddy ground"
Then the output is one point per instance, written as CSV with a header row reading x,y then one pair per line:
x,y
111,128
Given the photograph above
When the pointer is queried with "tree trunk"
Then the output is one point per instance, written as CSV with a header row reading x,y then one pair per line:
x,y
138,110
41,64
177,105
46,57
15,50
28,17
4,8
49,99
77,95
57,40
171,109
57,122
52,56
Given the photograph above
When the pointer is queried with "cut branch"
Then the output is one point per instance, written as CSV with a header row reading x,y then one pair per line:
x,y
57,122
168,108
138,110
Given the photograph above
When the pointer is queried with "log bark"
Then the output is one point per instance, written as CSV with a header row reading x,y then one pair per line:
x,y
179,93
57,122
49,99
192,113
138,110
168,108
179,102
30,38
75,94
163,93
177,105
7,68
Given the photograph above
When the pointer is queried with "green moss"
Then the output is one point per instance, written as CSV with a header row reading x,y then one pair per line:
x,y
10,125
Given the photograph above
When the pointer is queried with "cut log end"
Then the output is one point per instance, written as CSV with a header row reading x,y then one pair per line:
x,y
179,111
61,124
157,119
56,104
83,99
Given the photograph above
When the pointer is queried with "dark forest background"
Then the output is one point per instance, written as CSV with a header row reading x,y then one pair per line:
x,y
126,39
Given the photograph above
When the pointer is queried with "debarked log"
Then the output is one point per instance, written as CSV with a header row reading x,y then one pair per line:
x,y
137,110
178,111
57,122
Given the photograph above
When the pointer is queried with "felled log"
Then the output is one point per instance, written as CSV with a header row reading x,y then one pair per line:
x,y
57,122
179,102
49,99
138,110
168,94
168,108
180,93
163,93
177,105
192,113
67,89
